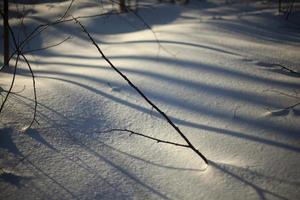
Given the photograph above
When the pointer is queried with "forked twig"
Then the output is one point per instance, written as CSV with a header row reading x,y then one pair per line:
x,y
20,53
191,146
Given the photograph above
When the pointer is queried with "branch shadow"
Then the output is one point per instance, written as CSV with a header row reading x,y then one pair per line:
x,y
7,143
211,129
81,163
246,176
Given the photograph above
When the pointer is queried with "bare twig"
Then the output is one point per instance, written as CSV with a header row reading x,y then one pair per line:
x,y
42,27
191,146
34,91
146,136
39,29
66,12
19,48
20,53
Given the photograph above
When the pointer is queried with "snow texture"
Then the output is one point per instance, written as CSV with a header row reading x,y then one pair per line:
x,y
214,71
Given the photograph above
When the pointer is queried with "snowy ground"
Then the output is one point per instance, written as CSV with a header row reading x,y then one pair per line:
x,y
213,73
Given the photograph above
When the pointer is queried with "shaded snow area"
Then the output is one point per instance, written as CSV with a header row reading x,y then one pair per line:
x,y
215,68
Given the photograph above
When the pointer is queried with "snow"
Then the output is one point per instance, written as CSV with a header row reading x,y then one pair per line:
x,y
213,72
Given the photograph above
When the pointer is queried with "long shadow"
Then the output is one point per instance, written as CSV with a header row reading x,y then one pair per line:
x,y
115,166
206,111
35,1
248,97
16,179
127,22
125,172
228,169
261,192
52,179
200,67
215,130
186,123
213,70
146,161
6,142
266,27
36,135
256,32
13,179
161,41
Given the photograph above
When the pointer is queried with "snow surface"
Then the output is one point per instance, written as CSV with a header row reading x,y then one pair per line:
x,y
213,72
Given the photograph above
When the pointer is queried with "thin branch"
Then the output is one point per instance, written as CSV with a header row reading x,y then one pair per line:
x,y
40,28
19,53
66,12
191,146
31,71
34,91
146,136
37,30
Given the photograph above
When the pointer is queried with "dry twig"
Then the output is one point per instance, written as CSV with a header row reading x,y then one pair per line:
x,y
191,146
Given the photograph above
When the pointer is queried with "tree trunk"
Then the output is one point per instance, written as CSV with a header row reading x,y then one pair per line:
x,y
122,6
279,5
6,34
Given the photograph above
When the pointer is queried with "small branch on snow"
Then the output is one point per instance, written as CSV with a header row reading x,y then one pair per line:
x,y
191,146
20,53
